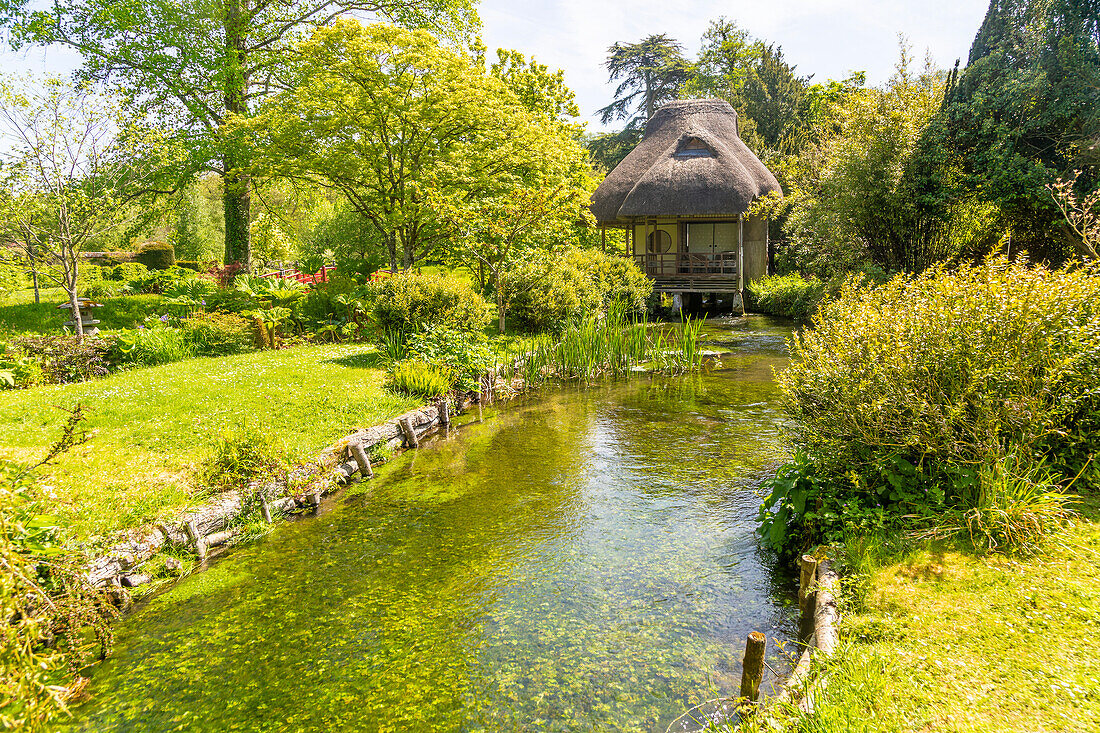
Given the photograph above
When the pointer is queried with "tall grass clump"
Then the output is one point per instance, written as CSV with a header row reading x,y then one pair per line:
x,y
610,345
959,400
789,296
419,379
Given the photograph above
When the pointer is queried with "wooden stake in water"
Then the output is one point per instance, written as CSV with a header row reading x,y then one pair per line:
x,y
410,434
444,413
265,510
752,669
196,540
361,459
807,596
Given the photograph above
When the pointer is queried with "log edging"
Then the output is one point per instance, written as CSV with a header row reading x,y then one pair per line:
x,y
208,525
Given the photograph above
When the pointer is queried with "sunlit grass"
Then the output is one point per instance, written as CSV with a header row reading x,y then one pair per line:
x,y
151,426
950,641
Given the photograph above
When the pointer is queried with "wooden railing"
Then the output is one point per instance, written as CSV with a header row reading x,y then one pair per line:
x,y
689,265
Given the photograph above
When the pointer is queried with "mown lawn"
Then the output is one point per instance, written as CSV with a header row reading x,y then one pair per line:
x,y
948,641
152,426
20,315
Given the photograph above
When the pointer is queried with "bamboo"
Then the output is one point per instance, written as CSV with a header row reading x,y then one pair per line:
x,y
807,596
361,459
752,668
410,434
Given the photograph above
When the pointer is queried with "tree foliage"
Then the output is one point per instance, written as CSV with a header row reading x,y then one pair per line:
x,y
75,170
1024,111
193,65
653,71
398,123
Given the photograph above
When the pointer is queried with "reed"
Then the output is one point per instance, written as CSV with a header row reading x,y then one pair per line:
x,y
608,346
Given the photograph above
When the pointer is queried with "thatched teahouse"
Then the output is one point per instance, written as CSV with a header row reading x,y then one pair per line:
x,y
683,194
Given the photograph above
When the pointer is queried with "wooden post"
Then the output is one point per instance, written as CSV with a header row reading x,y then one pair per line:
x,y
480,417
361,459
315,500
752,669
265,510
807,596
444,413
196,540
410,434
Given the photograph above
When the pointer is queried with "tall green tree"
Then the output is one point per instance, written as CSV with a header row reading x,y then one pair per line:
x,y
194,65
398,123
1024,112
652,71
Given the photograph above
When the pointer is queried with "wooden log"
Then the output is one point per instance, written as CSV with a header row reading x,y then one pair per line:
x,y
444,413
362,460
825,616
410,434
314,500
807,596
752,668
219,538
196,539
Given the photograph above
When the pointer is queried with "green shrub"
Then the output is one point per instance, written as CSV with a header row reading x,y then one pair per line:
x,y
151,344
420,379
217,334
12,276
157,281
407,302
191,265
789,296
63,359
550,291
465,356
104,289
17,369
231,301
129,271
156,255
907,396
89,274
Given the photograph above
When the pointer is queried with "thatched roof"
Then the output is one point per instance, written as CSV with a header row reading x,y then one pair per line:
x,y
690,162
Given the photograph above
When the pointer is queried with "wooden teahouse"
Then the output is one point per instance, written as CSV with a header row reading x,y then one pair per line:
x,y
682,196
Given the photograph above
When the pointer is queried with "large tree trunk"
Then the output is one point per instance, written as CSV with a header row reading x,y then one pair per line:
x,y
236,182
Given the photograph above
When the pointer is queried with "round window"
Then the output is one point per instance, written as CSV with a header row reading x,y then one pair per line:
x,y
658,242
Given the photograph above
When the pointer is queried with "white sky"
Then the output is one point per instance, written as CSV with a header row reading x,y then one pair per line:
x,y
826,38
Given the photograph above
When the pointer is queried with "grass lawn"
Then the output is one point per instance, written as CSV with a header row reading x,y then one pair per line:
x,y
20,315
153,425
946,641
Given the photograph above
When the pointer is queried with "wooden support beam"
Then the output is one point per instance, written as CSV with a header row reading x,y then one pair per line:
x,y
752,669
362,460
196,540
807,596
410,433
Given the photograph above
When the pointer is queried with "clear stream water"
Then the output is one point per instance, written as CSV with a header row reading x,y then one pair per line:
x,y
580,560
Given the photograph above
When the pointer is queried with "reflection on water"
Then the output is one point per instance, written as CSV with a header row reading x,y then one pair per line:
x,y
582,560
